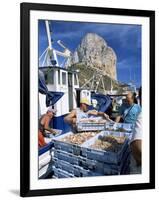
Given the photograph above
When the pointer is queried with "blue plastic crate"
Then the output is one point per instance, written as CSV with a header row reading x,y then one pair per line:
x,y
86,173
71,148
101,155
108,168
73,159
65,146
59,173
63,165
90,126
77,171
80,166
114,126
68,157
105,168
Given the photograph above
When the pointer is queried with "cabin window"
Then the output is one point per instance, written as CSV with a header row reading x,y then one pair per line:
x,y
49,77
63,78
59,78
75,79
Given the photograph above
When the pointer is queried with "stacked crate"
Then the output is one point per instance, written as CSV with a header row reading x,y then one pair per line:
x,y
66,158
71,160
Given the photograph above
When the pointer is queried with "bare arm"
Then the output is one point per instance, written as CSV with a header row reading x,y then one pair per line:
x,y
71,117
118,119
136,150
104,115
46,125
92,112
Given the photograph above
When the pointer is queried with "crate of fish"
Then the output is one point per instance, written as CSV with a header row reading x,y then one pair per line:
x,y
120,127
110,168
103,167
96,167
76,170
107,146
71,142
91,124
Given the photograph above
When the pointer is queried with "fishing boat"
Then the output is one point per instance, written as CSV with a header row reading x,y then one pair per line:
x,y
59,88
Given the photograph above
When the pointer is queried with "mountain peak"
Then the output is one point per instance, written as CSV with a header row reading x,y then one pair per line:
x,y
94,52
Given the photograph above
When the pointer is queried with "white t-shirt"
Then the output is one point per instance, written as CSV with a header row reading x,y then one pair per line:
x,y
137,135
137,132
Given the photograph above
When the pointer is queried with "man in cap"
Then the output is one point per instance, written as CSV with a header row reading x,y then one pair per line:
x,y
82,113
44,127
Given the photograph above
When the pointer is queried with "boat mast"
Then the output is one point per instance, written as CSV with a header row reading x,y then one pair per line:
x,y
49,55
51,51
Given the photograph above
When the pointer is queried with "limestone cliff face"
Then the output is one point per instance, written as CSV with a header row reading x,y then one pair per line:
x,y
94,52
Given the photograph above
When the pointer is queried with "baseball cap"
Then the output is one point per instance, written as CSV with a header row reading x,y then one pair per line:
x,y
85,101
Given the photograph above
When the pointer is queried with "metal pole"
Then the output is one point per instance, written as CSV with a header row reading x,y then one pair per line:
x,y
48,34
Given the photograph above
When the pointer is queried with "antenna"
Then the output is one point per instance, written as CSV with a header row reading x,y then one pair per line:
x,y
49,55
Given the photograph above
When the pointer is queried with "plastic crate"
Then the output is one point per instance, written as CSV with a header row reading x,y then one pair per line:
x,y
70,148
77,171
90,167
66,146
105,168
115,126
66,166
90,126
108,168
101,155
59,173
62,155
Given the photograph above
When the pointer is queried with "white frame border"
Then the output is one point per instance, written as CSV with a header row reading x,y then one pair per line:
x,y
91,181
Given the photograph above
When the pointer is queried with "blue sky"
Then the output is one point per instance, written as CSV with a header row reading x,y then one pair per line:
x,y
124,39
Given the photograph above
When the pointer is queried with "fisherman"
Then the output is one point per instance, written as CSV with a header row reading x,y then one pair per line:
x,y
44,122
129,111
136,144
83,113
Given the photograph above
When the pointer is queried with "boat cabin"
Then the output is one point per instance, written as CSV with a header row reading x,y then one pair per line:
x,y
60,80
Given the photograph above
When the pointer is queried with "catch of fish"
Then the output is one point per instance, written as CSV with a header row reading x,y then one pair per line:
x,y
92,120
108,143
79,138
